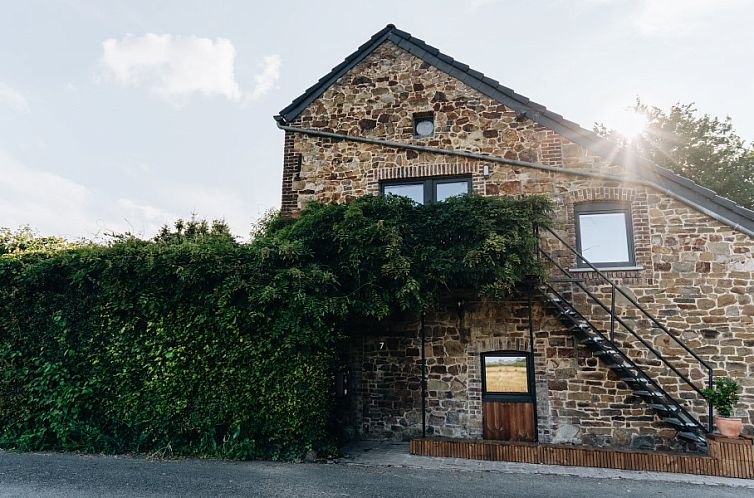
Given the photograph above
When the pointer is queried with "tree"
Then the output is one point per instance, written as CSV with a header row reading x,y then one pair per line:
x,y
195,230
703,148
26,240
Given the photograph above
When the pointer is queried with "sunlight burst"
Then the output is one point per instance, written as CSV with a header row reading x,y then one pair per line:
x,y
630,124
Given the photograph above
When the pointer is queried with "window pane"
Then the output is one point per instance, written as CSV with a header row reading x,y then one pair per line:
x,y
448,189
603,237
414,191
506,374
425,128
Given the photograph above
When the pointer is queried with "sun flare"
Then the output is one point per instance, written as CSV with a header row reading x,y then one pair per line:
x,y
630,124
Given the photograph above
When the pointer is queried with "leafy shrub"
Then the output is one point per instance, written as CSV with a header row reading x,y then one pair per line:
x,y
195,344
723,396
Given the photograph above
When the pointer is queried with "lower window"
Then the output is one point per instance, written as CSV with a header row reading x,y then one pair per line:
x,y
507,375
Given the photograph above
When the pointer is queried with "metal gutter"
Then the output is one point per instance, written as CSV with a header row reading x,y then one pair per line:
x,y
515,162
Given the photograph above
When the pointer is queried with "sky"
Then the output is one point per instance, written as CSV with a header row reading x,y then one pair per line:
x,y
122,116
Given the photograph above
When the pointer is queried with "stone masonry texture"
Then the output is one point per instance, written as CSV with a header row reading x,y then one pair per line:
x,y
693,273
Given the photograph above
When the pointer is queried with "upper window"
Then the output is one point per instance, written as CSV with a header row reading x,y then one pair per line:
x,y
507,375
426,190
604,235
424,124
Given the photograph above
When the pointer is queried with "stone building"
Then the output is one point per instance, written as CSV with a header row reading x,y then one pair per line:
x,y
652,276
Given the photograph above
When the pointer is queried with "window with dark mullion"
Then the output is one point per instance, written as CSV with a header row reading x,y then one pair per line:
x,y
604,234
426,190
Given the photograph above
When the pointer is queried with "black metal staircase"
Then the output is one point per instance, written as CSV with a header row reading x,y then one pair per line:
x,y
620,346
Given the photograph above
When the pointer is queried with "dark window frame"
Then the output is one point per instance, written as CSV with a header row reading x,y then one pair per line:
x,y
510,397
424,116
429,183
606,207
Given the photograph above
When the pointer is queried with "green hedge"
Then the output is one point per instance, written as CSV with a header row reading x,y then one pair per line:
x,y
195,344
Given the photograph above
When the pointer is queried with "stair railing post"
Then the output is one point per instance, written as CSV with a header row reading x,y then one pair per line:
x,y
612,314
530,299
424,378
710,424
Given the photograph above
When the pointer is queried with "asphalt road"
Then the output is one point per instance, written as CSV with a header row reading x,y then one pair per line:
x,y
44,475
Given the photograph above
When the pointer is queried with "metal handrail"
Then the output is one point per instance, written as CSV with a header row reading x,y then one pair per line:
x,y
625,325
613,317
630,299
631,362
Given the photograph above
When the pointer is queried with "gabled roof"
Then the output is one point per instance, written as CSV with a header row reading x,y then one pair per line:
x,y
678,185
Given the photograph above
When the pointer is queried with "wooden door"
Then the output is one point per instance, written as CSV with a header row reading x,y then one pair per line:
x,y
508,421
508,401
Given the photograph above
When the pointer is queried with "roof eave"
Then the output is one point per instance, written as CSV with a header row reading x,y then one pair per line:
x,y
680,186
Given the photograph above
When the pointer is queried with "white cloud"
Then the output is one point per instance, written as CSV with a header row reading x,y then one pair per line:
x,y
678,17
144,219
56,205
475,5
177,67
267,78
53,204
48,202
12,98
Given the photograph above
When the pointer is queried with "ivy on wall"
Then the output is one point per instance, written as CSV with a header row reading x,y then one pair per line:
x,y
195,344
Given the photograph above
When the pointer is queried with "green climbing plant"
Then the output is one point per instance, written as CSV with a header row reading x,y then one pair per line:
x,y
195,344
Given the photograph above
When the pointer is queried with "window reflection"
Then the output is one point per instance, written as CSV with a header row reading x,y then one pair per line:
x,y
603,237
506,374
428,190
449,189
414,191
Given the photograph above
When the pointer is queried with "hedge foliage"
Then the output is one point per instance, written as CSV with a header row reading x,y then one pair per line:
x,y
193,343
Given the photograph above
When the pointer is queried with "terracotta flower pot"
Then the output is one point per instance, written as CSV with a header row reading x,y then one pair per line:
x,y
729,426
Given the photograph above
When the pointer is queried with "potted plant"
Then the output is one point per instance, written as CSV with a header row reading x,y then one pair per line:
x,y
723,397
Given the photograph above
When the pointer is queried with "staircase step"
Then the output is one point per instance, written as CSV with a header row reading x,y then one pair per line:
x,y
623,366
648,394
663,408
581,331
635,380
692,436
580,326
564,280
678,422
607,352
593,341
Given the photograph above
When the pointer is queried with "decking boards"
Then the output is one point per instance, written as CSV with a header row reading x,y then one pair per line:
x,y
727,457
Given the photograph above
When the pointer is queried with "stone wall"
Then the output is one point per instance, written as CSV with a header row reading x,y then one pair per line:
x,y
578,400
694,273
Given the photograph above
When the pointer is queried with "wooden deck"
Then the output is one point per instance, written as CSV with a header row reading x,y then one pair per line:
x,y
726,458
